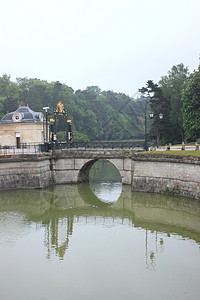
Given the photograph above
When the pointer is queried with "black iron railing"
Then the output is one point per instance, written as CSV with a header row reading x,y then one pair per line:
x,y
33,148
100,145
27,148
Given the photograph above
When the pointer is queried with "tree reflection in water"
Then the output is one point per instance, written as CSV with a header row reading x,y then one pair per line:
x,y
59,208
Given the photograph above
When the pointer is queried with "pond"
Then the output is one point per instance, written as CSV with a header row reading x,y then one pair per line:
x,y
98,241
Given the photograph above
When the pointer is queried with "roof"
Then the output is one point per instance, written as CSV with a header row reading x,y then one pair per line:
x,y
22,115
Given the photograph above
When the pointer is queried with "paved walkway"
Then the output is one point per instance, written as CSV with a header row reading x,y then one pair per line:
x,y
176,148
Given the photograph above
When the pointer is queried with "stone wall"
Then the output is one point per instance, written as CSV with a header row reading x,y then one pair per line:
x,y
161,174
25,171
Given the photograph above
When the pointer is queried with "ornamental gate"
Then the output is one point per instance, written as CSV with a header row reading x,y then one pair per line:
x,y
60,111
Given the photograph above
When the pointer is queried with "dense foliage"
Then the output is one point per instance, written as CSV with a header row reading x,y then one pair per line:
x,y
95,114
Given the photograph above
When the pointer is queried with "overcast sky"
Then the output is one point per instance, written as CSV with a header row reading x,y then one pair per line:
x,y
115,44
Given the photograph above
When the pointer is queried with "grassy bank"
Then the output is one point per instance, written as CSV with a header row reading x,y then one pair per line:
x,y
180,153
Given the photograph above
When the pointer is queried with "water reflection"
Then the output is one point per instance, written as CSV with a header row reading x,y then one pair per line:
x,y
107,192
67,243
59,208
105,181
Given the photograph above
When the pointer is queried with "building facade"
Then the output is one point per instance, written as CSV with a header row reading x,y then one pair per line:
x,y
23,126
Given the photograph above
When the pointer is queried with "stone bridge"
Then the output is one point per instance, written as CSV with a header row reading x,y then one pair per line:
x,y
72,166
144,172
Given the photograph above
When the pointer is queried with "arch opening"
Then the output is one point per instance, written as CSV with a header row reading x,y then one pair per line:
x,y
104,179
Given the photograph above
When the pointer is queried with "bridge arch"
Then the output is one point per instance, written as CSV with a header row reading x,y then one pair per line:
x,y
83,175
73,166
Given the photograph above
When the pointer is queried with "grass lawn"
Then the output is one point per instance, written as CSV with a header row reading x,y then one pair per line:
x,y
180,153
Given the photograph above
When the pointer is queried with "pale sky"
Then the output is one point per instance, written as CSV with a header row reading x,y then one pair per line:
x,y
115,44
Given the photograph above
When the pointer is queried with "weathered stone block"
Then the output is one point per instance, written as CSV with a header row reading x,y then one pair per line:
x,y
80,162
70,176
127,164
118,163
64,164
126,177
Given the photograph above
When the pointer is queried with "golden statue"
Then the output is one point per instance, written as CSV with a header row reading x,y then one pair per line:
x,y
60,107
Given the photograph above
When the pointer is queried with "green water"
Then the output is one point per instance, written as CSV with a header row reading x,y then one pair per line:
x,y
64,242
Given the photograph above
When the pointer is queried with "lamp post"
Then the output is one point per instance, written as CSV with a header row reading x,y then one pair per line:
x,y
46,111
146,147
151,115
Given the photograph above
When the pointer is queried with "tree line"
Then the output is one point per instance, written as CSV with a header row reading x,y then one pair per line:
x,y
95,114
107,115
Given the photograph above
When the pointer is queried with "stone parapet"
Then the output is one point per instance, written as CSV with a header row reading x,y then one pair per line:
x,y
166,158
171,175
93,153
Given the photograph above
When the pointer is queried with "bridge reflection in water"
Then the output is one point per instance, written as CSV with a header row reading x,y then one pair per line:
x,y
59,208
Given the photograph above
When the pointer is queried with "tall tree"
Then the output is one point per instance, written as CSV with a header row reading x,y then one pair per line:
x,y
191,106
171,86
158,104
